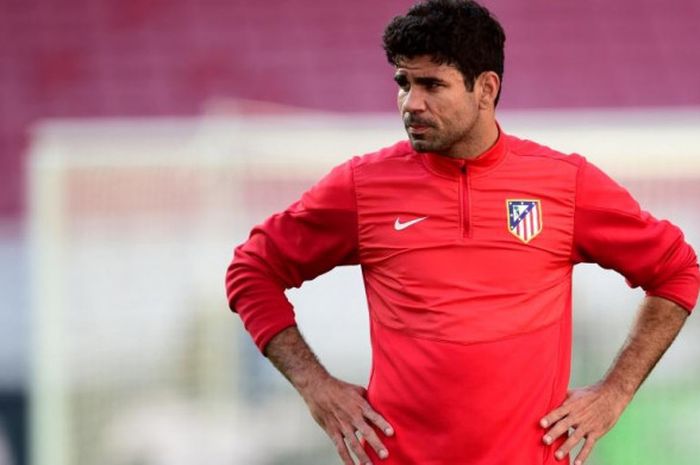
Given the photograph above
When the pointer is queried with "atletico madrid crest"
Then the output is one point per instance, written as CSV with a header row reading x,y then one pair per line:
x,y
524,218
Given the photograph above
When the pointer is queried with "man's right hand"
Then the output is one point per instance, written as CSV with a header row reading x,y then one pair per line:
x,y
340,408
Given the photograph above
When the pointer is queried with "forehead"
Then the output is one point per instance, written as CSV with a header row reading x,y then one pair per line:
x,y
424,65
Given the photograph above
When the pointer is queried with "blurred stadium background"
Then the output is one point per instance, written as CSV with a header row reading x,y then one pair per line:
x,y
140,140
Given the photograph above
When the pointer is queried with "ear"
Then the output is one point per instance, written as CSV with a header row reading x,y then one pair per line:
x,y
489,84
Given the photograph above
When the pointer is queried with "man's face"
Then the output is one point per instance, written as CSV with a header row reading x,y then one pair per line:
x,y
438,111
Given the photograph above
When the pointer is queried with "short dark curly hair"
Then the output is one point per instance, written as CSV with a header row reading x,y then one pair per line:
x,y
461,33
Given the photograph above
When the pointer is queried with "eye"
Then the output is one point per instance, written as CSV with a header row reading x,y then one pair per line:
x,y
402,82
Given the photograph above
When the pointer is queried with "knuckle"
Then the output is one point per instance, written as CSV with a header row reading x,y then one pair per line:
x,y
370,414
360,425
376,418
381,423
569,442
359,415
565,423
338,441
375,441
366,432
359,452
354,443
560,428
566,447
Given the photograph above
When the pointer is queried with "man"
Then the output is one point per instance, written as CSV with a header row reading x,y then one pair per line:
x,y
467,238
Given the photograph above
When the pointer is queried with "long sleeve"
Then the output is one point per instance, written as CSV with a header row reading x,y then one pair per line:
x,y
309,238
610,229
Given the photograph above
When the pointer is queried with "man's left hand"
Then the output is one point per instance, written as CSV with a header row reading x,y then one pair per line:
x,y
587,413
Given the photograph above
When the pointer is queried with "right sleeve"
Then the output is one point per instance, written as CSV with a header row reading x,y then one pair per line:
x,y
309,238
612,230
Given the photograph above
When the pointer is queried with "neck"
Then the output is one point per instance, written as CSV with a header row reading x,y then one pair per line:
x,y
479,139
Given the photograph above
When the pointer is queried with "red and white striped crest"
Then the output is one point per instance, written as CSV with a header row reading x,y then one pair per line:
x,y
524,218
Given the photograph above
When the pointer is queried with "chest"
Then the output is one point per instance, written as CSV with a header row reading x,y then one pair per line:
x,y
507,226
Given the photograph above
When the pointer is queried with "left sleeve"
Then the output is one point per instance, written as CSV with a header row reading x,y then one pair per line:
x,y
309,238
611,229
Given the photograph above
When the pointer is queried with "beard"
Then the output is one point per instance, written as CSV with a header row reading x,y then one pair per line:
x,y
425,140
426,143
432,137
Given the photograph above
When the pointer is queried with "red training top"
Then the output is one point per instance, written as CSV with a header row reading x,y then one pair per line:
x,y
467,267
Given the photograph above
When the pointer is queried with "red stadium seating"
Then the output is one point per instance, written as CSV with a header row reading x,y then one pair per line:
x,y
91,58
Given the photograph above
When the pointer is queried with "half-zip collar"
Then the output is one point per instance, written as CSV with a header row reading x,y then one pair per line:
x,y
454,167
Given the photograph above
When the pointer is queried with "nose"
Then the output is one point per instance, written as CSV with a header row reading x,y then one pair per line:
x,y
412,101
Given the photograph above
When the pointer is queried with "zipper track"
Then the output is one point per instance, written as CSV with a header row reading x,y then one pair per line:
x,y
464,217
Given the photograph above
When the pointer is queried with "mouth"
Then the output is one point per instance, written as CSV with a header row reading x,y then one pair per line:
x,y
417,129
416,126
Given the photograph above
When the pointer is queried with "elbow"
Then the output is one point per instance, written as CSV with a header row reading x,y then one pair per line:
x,y
231,283
242,272
257,298
248,277
682,287
241,275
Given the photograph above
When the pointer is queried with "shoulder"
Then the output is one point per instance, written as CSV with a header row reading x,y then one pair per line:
x,y
400,151
337,186
594,187
529,150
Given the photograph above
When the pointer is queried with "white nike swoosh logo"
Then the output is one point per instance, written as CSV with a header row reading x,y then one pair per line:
x,y
398,225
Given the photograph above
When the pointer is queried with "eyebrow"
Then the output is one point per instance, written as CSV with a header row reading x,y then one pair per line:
x,y
428,81
423,81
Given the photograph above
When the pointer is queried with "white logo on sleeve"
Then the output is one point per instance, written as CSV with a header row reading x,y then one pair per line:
x,y
398,225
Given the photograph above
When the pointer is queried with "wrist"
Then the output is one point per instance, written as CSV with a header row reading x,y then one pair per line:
x,y
296,361
310,381
621,389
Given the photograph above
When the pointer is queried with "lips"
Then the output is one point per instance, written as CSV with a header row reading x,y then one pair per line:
x,y
416,125
417,128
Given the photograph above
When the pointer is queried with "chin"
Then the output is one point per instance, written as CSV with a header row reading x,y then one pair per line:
x,y
420,145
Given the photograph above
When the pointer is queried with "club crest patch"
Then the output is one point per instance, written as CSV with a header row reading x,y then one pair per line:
x,y
524,218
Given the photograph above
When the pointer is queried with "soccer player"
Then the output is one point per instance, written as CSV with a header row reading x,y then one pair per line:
x,y
467,237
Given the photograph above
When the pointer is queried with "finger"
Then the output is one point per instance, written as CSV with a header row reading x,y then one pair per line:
x,y
371,437
585,450
369,413
569,444
554,416
342,449
356,448
559,428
